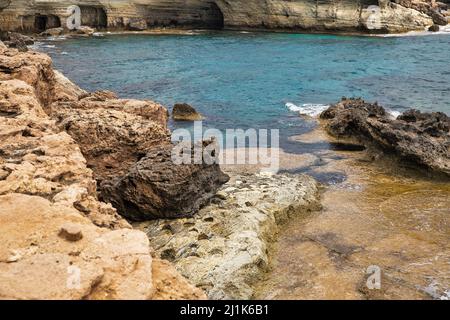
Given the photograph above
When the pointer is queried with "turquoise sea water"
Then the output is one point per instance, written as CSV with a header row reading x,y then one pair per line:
x,y
245,80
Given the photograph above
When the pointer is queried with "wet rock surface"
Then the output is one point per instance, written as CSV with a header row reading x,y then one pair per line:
x,y
416,137
383,215
156,187
224,248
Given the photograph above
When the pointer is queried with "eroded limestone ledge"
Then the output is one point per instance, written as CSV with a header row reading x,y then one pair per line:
x,y
224,249
295,15
52,226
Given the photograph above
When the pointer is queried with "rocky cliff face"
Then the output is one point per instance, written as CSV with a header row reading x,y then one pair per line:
x,y
292,15
322,15
58,240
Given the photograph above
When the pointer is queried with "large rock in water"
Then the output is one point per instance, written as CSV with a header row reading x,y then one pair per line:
x,y
156,187
185,112
420,138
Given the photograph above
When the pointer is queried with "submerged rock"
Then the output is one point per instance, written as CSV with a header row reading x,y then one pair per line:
x,y
156,187
184,112
420,138
224,248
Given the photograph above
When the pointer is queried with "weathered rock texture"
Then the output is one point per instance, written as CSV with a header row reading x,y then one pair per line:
x,y
127,145
156,187
113,133
310,15
420,138
58,240
324,15
28,15
185,112
224,248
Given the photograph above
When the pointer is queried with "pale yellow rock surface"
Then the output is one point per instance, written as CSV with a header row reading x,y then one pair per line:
x,y
58,240
224,249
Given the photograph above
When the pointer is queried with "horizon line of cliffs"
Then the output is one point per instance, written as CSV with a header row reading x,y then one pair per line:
x,y
372,16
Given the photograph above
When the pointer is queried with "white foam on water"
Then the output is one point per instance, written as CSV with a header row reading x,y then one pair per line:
x,y
442,30
394,113
314,109
309,109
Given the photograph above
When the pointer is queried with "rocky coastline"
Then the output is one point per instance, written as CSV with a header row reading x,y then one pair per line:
x,y
74,165
417,138
379,16
66,153
51,218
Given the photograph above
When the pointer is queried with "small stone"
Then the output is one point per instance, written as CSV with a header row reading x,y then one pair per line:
x,y
71,232
221,195
434,28
14,257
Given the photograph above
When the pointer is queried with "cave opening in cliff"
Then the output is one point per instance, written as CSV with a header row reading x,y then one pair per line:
x,y
95,17
217,21
44,22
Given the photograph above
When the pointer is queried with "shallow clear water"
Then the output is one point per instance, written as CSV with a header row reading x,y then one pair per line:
x,y
243,80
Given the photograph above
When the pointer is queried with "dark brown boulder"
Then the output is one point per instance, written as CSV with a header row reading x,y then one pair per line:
x,y
157,188
420,138
184,112
434,28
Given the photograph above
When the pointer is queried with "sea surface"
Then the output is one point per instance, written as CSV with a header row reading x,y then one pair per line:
x,y
261,80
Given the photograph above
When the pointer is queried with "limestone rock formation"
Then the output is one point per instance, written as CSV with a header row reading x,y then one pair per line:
x,y
325,15
184,112
37,16
420,138
156,187
224,248
113,133
430,7
58,240
295,15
